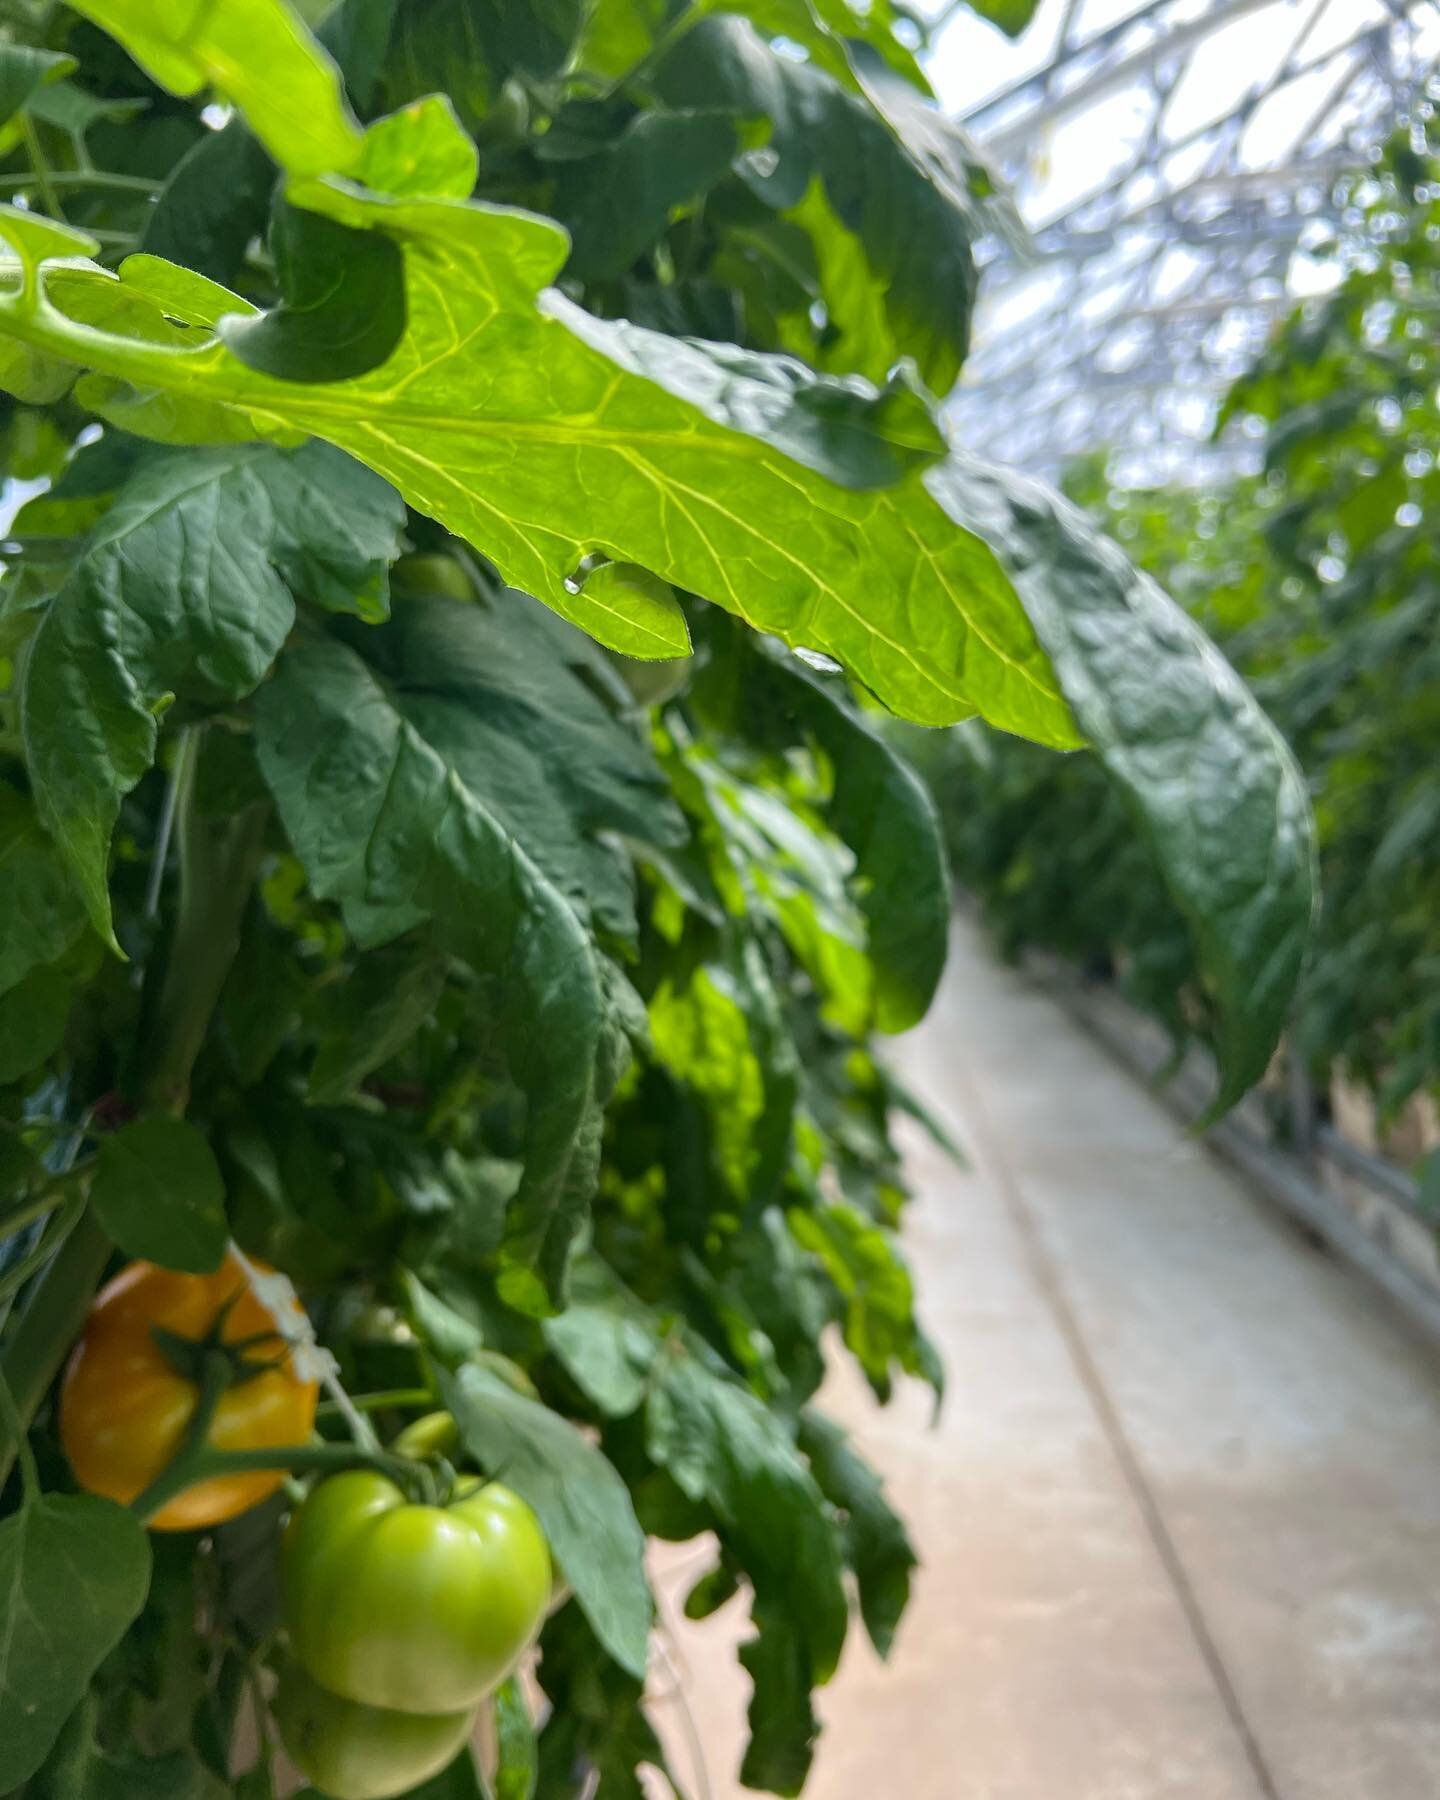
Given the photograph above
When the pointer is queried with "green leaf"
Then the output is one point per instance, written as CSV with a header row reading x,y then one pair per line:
x,y
580,1500
382,819
518,1761
1012,16
700,1034
378,1009
1211,782
783,1725
73,1574
645,616
44,914
159,1195
719,471
531,741
916,222
858,336
186,586
597,1718
217,198
876,1293
878,806
617,202
877,1546
448,1337
606,1340
343,310
23,69
33,1016
254,53
724,1446
535,37
387,798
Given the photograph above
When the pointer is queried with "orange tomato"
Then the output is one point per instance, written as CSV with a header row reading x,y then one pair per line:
x,y
124,1407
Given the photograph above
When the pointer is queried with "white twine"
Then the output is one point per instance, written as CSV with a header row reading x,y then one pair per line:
x,y
313,1362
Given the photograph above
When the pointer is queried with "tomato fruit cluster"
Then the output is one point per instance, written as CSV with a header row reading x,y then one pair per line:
x,y
402,1617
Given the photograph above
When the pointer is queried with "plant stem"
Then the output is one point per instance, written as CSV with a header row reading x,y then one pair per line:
x,y
184,755
33,1209
218,862
15,1278
50,1324
381,1402
11,1422
91,178
43,176
193,1446
203,1464
665,42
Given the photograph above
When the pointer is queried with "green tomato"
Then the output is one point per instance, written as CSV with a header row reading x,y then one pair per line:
x,y
420,1608
355,1752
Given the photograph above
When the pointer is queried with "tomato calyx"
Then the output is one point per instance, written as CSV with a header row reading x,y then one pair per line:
x,y
197,1359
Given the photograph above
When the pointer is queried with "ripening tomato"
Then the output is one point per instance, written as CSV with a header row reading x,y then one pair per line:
x,y
355,1752
421,1608
124,1405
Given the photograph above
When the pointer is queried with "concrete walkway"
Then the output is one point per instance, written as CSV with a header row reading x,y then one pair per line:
x,y
1180,1520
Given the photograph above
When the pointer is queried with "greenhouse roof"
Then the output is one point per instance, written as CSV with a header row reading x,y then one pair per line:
x,y
1176,163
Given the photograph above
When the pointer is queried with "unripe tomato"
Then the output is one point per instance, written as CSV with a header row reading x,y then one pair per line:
x,y
355,1752
124,1406
420,1608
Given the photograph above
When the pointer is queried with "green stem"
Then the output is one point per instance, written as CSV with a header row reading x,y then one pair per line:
x,y
15,1278
51,1323
398,1398
32,1210
43,177
669,37
216,1378
219,859
203,1464
90,178
11,1421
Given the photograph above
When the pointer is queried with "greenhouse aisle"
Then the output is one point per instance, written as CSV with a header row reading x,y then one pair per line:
x,y
1180,1518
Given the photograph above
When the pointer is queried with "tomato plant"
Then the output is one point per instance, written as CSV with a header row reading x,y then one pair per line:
x,y
482,489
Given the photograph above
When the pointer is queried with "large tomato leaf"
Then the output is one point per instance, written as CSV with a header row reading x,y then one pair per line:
x,y
1215,789
185,588
545,435
379,813
74,1571
580,1500
533,743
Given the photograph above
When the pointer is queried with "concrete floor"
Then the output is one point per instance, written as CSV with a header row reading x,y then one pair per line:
x,y
1180,1520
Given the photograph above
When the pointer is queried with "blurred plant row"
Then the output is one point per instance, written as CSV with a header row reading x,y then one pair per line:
x,y
1319,576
